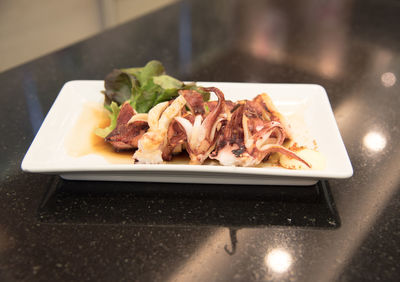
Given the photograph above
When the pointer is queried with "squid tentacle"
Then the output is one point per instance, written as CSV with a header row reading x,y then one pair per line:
x,y
272,148
200,135
211,118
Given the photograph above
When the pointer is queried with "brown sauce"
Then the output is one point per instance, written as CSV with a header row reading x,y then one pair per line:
x,y
82,140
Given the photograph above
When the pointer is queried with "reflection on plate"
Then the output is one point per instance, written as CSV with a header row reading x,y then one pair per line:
x,y
69,125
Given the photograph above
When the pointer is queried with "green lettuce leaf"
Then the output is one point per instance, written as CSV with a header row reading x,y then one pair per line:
x,y
169,88
152,68
118,85
144,87
167,82
132,71
114,111
144,100
166,95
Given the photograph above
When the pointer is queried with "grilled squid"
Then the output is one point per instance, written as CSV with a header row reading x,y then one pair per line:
x,y
244,133
200,131
152,144
252,134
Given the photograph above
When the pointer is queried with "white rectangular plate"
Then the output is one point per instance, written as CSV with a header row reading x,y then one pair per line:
x,y
307,104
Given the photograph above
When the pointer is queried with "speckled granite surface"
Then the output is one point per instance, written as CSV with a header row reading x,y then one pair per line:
x,y
342,230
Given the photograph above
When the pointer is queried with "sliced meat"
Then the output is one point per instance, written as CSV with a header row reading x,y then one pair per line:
x,y
194,100
125,136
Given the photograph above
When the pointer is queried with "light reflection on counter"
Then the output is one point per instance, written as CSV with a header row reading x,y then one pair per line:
x,y
388,79
278,260
374,141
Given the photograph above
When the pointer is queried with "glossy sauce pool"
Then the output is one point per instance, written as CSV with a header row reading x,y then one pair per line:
x,y
82,141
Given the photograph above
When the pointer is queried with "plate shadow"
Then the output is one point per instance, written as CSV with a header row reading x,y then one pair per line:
x,y
166,204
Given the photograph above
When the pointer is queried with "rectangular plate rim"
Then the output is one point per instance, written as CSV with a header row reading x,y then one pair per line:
x,y
36,166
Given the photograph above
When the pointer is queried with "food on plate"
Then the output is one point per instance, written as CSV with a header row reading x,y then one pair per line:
x,y
311,156
154,142
126,135
157,116
142,88
201,127
254,130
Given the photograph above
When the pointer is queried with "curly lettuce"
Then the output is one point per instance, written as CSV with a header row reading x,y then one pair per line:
x,y
143,88
113,109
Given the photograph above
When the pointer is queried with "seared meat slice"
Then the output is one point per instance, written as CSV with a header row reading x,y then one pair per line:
x,y
125,136
194,101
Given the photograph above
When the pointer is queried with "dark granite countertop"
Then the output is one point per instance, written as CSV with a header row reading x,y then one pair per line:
x,y
341,230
